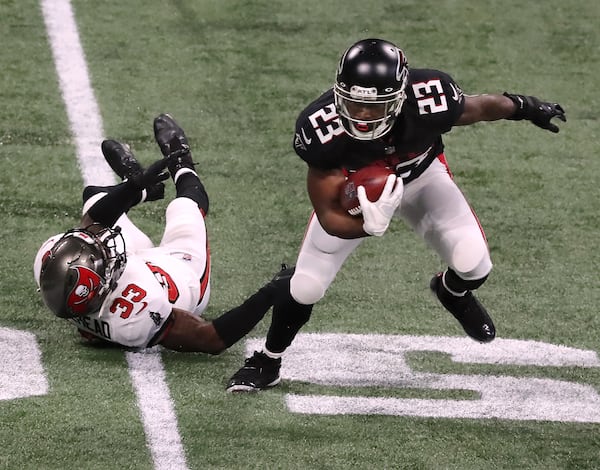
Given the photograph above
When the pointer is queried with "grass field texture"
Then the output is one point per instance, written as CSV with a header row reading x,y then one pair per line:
x,y
235,75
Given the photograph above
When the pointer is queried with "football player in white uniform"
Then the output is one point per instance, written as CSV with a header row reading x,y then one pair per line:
x,y
108,279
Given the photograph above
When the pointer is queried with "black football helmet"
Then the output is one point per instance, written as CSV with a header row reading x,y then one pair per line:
x,y
371,76
80,269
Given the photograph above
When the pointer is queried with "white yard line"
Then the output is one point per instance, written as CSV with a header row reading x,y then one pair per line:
x,y
146,370
82,108
156,407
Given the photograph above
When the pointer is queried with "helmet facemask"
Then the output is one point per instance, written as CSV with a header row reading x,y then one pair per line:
x,y
381,111
81,269
114,245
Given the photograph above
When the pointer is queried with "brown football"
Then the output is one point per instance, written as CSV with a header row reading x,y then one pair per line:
x,y
372,177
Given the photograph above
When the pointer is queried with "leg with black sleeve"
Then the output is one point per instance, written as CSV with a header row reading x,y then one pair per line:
x,y
438,211
321,257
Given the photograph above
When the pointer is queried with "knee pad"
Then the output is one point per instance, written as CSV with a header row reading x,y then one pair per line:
x,y
471,258
468,253
306,289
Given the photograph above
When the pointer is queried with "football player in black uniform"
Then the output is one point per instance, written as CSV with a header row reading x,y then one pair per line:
x,y
379,110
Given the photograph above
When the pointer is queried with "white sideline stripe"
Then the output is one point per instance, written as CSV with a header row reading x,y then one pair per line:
x,y
146,370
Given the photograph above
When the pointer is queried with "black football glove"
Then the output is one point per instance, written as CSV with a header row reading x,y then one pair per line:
x,y
149,181
538,112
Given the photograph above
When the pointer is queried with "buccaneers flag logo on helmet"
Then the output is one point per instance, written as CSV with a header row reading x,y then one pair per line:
x,y
84,290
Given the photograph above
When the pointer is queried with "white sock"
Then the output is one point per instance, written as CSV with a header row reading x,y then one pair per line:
x,y
272,355
182,171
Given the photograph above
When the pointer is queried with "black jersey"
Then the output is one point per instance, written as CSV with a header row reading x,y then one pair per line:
x,y
432,106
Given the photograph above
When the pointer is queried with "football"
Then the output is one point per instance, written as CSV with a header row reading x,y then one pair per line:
x,y
372,177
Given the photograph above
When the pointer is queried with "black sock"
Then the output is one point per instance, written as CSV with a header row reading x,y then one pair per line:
x,y
458,284
189,185
288,317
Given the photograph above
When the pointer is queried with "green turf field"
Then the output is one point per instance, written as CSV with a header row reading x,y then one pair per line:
x,y
235,75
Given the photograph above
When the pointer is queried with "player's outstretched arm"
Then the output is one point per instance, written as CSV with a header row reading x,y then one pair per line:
x,y
492,107
485,108
190,333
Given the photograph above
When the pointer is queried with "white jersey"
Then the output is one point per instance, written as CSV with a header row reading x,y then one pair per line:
x,y
135,312
154,281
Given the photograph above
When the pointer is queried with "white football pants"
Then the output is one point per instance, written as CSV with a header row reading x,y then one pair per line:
x,y
184,238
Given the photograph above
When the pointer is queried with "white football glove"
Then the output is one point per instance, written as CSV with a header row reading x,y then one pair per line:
x,y
377,215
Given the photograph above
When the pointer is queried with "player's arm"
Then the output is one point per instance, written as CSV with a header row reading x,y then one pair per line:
x,y
324,188
479,108
509,106
86,221
189,333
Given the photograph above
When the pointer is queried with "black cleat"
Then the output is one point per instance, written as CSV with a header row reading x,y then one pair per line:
x,y
165,130
173,144
122,161
258,373
467,310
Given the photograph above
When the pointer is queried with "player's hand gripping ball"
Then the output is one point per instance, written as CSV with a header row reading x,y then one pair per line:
x,y
372,177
